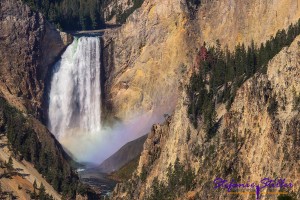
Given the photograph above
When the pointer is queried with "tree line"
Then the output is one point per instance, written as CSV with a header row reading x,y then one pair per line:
x,y
70,14
221,72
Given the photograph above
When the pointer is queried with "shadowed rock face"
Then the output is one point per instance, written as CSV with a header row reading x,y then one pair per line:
x,y
29,46
124,155
114,8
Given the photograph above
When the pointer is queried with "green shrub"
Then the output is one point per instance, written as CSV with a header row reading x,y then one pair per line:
x,y
180,180
273,106
144,174
284,197
296,101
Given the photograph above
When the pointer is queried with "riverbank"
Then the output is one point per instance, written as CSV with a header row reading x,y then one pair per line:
x,y
98,181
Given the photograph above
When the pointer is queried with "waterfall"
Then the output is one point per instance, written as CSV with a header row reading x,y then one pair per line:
x,y
75,106
75,96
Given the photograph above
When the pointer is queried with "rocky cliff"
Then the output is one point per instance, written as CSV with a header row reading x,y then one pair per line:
x,y
149,55
29,46
257,135
145,58
253,141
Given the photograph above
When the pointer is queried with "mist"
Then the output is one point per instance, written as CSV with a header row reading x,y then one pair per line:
x,y
95,147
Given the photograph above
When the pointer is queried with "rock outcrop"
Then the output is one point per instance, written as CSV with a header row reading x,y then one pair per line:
x,y
29,46
114,9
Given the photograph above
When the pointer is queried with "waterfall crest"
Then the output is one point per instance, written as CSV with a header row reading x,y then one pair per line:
x,y
75,96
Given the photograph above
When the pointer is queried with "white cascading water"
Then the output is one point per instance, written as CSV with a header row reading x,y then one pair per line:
x,y
75,102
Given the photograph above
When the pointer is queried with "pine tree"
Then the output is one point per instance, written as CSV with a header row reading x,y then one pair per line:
x,y
1,192
210,120
34,184
34,195
143,175
9,164
42,192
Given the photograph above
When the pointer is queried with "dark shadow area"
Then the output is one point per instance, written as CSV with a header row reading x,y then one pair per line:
x,y
212,132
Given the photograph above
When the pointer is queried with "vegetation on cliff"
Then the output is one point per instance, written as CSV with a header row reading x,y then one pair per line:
x,y
41,194
180,180
41,149
125,172
80,14
220,73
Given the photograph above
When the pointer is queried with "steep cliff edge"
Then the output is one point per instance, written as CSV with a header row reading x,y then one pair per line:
x,y
258,138
29,46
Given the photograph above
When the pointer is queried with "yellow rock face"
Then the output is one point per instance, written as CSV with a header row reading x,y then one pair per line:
x,y
149,49
156,47
237,21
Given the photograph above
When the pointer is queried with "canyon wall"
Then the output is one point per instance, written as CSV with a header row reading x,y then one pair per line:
x,y
252,141
111,10
149,55
145,59
29,46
